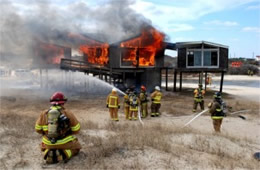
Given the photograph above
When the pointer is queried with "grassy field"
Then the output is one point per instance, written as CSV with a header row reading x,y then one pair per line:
x,y
161,143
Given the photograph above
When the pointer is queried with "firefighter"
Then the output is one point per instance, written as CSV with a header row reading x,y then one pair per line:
x,y
113,104
144,102
126,103
57,125
216,109
156,102
198,98
134,103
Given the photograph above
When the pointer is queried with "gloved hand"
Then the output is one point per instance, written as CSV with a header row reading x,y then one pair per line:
x,y
107,105
152,99
118,107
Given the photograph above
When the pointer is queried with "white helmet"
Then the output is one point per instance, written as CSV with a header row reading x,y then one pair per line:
x,y
114,89
157,88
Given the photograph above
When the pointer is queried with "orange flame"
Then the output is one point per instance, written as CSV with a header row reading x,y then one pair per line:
x,y
97,53
146,45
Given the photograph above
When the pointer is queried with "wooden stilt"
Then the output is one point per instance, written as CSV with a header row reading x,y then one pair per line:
x,y
221,81
110,75
175,80
166,79
105,77
180,81
206,74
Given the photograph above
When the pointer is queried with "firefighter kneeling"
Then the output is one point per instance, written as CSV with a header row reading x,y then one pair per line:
x,y
57,126
216,108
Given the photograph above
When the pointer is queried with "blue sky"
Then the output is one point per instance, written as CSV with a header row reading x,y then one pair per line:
x,y
235,23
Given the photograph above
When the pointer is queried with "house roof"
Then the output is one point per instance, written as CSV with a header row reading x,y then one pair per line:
x,y
184,44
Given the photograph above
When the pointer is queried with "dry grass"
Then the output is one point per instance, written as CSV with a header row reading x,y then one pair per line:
x,y
125,145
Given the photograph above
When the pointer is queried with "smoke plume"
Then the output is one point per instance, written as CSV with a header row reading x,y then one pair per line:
x,y
24,23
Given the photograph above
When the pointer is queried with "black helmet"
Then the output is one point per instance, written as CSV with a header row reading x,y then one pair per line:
x,y
217,95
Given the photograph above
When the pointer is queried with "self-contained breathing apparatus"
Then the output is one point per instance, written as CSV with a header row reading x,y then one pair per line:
x,y
145,98
133,100
58,125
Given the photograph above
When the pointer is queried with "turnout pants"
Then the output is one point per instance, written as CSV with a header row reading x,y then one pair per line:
x,y
144,110
201,103
155,109
133,113
113,113
217,124
56,153
126,109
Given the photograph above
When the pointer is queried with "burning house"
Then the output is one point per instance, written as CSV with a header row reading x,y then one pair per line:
x,y
135,61
139,60
50,55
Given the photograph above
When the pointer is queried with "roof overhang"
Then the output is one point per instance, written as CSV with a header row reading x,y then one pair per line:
x,y
191,43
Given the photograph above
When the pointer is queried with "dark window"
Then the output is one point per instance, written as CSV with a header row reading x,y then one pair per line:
x,y
197,58
210,58
190,59
214,58
194,58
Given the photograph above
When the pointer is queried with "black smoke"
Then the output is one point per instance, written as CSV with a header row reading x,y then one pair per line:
x,y
24,23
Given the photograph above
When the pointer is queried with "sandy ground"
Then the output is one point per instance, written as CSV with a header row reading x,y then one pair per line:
x,y
162,143
247,87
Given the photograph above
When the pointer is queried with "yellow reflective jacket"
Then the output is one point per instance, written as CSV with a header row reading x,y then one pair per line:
x,y
113,100
215,110
143,97
41,126
126,100
156,97
199,94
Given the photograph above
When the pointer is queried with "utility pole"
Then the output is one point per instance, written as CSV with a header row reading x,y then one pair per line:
x,y
253,55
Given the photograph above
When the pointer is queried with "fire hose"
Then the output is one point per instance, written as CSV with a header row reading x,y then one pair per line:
x,y
139,116
241,111
195,117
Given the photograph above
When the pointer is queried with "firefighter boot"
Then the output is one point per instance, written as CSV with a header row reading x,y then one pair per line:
x,y
49,158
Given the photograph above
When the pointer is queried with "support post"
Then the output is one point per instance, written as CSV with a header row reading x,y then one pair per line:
x,y
180,81
110,75
123,77
206,74
85,82
221,81
105,77
175,79
166,79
